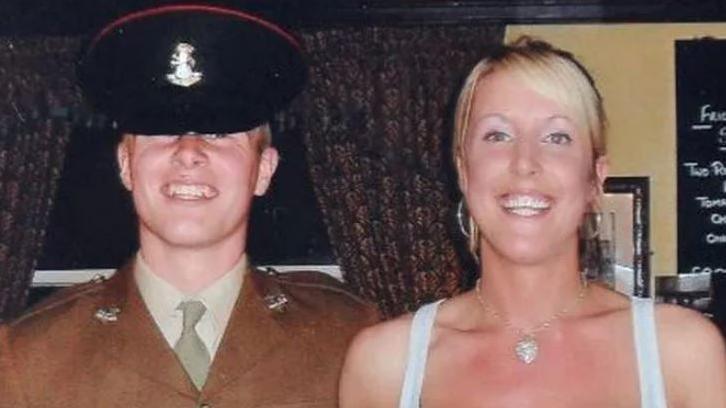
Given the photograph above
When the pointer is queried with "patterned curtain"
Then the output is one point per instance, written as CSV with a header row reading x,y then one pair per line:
x,y
36,84
377,131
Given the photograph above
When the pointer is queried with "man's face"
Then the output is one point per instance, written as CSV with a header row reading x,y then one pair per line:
x,y
195,191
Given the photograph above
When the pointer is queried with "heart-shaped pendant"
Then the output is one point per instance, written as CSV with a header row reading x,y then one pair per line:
x,y
526,349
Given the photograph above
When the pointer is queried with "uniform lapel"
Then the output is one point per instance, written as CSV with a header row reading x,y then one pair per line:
x,y
134,339
253,332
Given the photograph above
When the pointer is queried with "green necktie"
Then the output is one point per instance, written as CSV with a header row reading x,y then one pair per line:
x,y
190,348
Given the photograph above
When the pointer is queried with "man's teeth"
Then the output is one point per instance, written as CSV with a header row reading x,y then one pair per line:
x,y
525,205
191,191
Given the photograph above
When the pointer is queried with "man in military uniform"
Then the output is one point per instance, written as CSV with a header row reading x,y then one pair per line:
x,y
187,322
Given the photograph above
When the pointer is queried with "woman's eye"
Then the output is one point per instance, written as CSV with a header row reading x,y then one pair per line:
x,y
496,136
558,138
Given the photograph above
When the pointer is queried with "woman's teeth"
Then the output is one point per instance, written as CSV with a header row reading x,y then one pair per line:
x,y
525,205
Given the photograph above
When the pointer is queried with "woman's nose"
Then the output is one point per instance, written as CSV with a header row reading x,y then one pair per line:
x,y
526,160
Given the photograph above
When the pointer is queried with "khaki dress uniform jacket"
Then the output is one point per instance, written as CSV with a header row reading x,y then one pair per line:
x,y
96,345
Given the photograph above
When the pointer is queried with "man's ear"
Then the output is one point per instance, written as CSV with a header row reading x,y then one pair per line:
x,y
123,157
267,166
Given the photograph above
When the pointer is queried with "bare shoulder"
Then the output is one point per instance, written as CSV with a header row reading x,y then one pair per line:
x,y
374,366
388,339
678,326
693,357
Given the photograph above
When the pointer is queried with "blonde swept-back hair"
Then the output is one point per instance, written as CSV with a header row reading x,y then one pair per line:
x,y
549,71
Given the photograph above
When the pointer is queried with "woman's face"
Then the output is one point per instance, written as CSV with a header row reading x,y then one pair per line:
x,y
527,171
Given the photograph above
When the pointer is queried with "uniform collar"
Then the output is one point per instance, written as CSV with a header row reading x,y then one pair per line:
x,y
162,298
220,296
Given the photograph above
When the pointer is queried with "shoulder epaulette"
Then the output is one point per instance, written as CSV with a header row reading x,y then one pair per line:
x,y
310,279
61,297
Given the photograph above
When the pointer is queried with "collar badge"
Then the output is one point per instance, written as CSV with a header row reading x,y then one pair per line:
x,y
182,65
277,302
107,314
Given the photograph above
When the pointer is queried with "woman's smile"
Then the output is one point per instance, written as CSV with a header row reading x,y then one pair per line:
x,y
525,204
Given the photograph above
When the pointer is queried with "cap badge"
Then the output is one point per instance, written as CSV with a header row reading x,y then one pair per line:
x,y
182,65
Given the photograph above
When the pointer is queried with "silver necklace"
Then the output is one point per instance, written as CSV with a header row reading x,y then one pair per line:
x,y
527,347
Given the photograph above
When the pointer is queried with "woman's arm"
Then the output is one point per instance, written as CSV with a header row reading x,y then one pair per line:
x,y
693,358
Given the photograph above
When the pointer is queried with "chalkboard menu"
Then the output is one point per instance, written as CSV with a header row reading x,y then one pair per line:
x,y
701,144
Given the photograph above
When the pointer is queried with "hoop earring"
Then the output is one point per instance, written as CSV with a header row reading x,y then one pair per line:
x,y
462,218
593,224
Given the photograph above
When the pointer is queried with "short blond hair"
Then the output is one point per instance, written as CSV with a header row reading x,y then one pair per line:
x,y
263,129
550,71
266,132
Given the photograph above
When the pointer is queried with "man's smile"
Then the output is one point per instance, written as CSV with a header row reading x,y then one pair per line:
x,y
189,191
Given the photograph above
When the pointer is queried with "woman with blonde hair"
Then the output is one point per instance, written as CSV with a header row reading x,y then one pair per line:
x,y
530,153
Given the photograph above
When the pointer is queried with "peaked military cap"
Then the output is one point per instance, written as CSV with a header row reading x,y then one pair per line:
x,y
191,69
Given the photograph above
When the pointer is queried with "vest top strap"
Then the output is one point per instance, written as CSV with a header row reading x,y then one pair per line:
x,y
652,390
418,347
